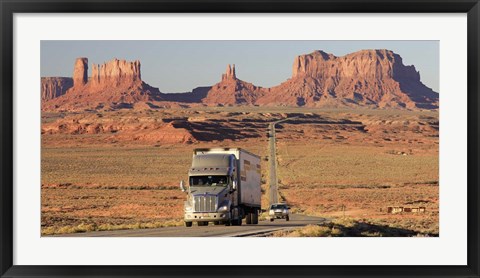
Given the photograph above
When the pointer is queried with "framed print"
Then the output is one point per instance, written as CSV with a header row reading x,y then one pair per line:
x,y
266,138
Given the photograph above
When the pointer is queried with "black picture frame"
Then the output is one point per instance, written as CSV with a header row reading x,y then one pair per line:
x,y
10,7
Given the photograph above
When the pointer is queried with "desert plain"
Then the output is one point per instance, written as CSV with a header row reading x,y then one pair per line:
x,y
104,170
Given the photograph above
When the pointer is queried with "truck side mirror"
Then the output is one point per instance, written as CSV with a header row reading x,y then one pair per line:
x,y
234,185
182,186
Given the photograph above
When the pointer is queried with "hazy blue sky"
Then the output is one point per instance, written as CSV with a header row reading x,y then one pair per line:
x,y
180,66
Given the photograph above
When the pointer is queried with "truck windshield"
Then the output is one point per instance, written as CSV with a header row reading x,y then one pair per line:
x,y
278,207
208,181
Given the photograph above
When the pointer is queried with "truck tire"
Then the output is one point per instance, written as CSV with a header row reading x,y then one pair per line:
x,y
248,218
255,217
188,224
237,222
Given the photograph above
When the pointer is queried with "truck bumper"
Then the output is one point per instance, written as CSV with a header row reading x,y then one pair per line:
x,y
206,216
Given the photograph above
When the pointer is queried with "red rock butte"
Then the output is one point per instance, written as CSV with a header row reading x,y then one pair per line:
x,y
114,83
80,72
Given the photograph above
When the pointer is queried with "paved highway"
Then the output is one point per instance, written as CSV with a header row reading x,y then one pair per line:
x,y
263,228
273,161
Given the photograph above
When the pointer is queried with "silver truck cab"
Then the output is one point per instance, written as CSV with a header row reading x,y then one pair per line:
x,y
211,183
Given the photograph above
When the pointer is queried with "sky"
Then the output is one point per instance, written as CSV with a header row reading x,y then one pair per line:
x,y
180,66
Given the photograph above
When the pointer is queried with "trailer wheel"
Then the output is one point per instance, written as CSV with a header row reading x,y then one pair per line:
x,y
255,217
188,224
248,218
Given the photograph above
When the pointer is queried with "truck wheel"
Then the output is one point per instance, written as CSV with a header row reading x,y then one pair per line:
x,y
237,222
288,219
248,218
188,224
255,217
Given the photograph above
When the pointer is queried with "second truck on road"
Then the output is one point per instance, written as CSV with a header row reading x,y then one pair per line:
x,y
224,187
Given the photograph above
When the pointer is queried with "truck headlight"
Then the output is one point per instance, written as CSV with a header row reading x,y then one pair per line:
x,y
188,208
223,208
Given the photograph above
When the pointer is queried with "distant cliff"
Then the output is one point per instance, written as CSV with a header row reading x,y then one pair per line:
x,y
53,87
367,78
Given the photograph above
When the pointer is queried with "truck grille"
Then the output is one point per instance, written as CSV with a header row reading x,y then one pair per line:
x,y
205,203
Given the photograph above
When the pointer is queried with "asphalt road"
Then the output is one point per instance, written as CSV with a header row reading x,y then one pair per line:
x,y
263,228
272,159
272,146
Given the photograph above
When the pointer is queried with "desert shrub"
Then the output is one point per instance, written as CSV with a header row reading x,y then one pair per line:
x,y
307,231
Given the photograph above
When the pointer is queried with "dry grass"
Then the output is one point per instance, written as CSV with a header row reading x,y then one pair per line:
x,y
115,166
349,227
83,228
317,163
361,201
66,210
307,231
369,205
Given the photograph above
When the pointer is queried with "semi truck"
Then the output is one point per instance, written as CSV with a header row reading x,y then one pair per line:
x,y
223,187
